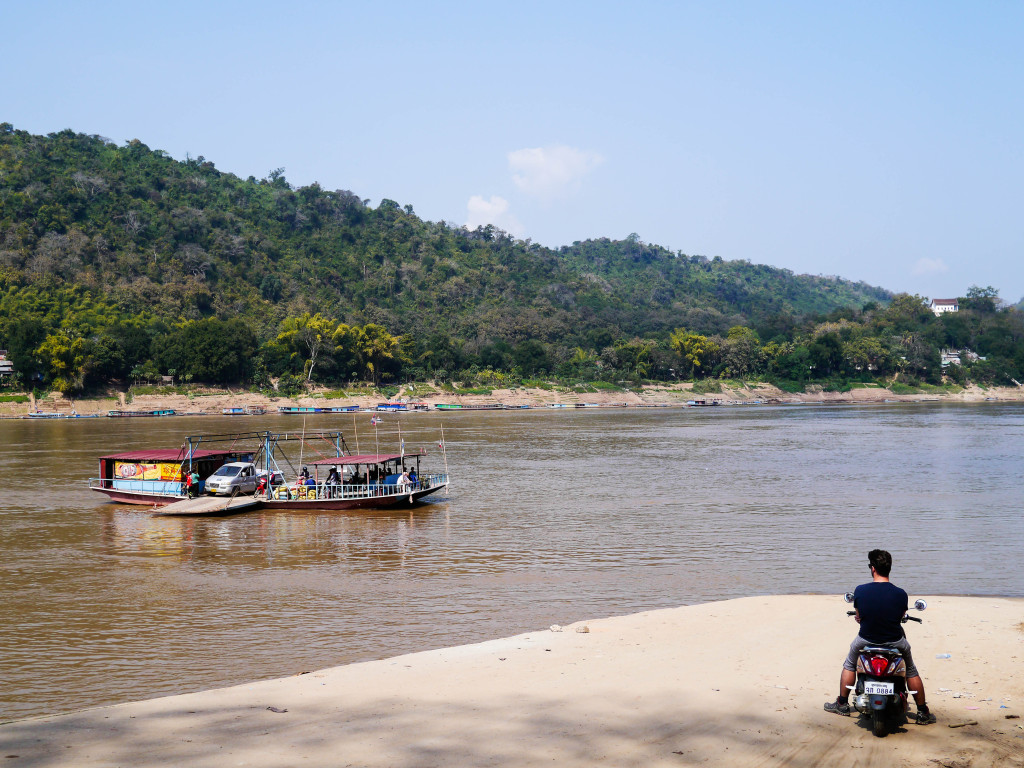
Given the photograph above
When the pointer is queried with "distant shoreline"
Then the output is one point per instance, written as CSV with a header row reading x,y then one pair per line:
x,y
212,401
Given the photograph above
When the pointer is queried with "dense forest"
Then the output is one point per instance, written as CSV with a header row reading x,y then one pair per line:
x,y
119,263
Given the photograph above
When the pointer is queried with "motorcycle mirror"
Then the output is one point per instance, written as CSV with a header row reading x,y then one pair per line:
x,y
848,597
920,604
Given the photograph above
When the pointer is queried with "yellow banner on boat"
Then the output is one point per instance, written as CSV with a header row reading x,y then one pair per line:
x,y
129,470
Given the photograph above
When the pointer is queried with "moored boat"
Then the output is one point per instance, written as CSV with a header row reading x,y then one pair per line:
x,y
131,414
244,410
470,407
60,415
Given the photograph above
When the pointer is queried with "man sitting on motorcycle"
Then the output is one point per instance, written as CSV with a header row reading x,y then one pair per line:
x,y
880,607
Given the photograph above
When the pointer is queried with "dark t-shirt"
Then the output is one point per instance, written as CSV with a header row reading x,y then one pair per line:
x,y
881,606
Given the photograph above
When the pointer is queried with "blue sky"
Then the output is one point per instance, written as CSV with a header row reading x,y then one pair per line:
x,y
876,141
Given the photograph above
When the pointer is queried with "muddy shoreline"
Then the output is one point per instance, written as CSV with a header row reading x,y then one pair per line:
x,y
211,401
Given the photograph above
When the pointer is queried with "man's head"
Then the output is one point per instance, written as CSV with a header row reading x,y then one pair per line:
x,y
881,561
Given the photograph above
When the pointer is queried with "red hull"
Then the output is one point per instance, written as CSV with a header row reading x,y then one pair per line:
x,y
144,499
365,502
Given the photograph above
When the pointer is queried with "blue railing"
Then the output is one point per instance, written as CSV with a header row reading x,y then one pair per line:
x,y
147,487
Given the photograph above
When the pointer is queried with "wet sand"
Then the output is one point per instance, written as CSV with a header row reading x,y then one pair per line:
x,y
733,683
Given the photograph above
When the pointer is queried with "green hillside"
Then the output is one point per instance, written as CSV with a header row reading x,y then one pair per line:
x,y
120,261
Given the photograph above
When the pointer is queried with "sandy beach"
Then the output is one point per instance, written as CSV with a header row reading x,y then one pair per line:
x,y
734,683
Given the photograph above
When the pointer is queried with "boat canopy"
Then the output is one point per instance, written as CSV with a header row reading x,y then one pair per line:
x,y
369,458
166,454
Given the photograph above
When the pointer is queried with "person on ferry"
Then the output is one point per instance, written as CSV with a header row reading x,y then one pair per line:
x,y
332,482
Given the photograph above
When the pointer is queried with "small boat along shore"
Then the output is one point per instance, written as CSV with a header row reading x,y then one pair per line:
x,y
236,472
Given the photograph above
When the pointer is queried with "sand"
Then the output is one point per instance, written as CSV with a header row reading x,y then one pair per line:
x,y
734,683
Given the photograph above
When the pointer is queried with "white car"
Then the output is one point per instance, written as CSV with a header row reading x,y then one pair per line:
x,y
237,474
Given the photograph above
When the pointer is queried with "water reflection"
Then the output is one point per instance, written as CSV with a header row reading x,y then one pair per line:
x,y
270,540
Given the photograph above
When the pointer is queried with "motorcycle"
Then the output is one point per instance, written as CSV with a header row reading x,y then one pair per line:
x,y
881,686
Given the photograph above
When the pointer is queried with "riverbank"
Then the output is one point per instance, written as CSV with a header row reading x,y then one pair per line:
x,y
732,683
211,401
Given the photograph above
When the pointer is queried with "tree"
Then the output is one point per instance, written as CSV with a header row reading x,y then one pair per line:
x,y
308,338
697,354
865,354
531,357
378,351
826,354
64,354
740,351
982,300
212,351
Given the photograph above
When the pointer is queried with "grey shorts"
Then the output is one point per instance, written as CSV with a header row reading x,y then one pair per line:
x,y
902,645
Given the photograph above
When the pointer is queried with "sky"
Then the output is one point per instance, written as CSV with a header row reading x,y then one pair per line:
x,y
876,141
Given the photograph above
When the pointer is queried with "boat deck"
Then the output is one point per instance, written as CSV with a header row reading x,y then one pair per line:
x,y
211,505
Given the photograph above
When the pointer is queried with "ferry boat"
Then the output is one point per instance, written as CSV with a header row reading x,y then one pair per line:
x,y
369,481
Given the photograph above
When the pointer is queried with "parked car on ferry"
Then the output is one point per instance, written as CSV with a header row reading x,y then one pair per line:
x,y
237,474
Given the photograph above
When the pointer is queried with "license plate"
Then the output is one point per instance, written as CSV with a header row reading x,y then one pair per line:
x,y
880,689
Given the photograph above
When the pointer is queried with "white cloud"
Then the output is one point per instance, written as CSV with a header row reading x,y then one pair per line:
x,y
926,266
549,172
493,211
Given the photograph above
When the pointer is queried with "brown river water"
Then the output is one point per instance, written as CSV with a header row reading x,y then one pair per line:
x,y
553,516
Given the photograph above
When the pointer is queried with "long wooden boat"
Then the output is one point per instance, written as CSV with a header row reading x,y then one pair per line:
x,y
244,410
133,414
470,407
368,481
304,409
61,415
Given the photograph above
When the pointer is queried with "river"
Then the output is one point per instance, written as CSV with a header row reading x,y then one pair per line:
x,y
553,516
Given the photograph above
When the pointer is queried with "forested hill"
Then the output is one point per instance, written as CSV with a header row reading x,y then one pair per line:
x,y
182,239
93,235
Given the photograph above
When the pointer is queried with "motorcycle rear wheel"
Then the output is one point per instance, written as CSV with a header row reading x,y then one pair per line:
x,y
879,726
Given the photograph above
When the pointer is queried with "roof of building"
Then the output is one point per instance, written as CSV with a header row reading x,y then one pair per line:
x,y
944,302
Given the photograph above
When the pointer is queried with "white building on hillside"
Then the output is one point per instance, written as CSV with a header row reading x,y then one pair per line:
x,y
6,366
938,306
